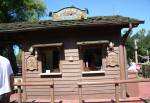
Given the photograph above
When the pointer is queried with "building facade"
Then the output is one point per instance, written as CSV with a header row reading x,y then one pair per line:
x,y
71,48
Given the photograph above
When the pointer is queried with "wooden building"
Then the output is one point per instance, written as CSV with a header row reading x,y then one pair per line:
x,y
71,47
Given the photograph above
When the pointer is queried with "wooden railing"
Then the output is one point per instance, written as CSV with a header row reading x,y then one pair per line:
x,y
116,84
80,84
19,84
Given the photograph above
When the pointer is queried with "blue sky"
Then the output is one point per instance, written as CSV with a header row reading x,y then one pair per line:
x,y
139,9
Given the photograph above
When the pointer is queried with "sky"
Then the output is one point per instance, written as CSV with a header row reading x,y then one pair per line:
x,y
138,9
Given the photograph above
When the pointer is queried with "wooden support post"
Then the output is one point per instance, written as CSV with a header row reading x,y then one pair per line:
x,y
52,92
19,92
122,70
125,94
80,93
117,92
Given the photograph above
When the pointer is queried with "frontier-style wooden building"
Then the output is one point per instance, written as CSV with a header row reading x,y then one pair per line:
x,y
71,47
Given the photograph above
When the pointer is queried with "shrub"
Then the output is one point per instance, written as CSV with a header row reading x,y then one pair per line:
x,y
145,70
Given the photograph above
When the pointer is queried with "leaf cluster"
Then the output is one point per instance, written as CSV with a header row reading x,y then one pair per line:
x,y
21,10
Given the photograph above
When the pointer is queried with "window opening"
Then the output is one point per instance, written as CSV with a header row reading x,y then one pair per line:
x,y
92,58
50,60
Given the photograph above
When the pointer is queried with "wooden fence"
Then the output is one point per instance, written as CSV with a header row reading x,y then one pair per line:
x,y
116,84
80,84
19,84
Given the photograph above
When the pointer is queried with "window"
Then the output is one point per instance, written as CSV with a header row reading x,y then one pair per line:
x,y
49,56
92,58
93,54
50,59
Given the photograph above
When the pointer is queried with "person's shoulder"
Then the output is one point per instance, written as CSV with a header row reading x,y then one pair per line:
x,y
4,59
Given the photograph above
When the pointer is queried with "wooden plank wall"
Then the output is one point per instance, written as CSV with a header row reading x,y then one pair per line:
x,y
66,86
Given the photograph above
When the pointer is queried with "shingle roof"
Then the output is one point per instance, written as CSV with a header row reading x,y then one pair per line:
x,y
90,21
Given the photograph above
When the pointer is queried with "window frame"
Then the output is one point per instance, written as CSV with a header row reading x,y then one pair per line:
x,y
93,44
52,46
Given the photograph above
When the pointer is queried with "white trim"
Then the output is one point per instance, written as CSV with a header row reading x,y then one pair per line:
x,y
42,74
93,42
93,72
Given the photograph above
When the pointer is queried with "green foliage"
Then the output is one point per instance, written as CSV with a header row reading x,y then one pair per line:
x,y
130,47
19,57
143,43
145,70
21,10
147,41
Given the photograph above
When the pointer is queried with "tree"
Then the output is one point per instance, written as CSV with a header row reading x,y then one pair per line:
x,y
130,47
147,41
21,10
143,43
140,36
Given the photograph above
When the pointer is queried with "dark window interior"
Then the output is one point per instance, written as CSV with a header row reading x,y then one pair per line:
x,y
50,60
92,58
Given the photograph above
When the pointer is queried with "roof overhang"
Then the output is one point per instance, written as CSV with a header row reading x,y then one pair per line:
x,y
106,21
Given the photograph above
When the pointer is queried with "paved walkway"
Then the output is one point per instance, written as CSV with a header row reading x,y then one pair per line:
x,y
144,89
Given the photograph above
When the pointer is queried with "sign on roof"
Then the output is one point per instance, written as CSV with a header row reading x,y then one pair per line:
x,y
69,13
